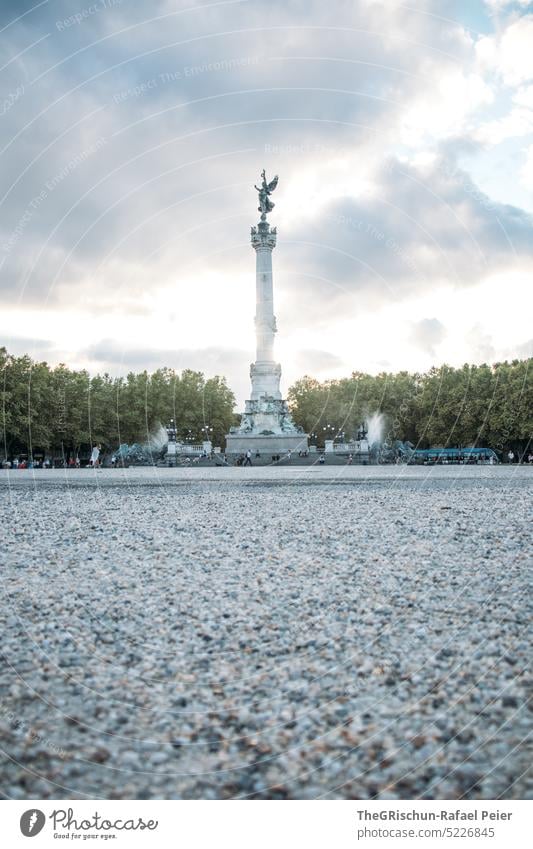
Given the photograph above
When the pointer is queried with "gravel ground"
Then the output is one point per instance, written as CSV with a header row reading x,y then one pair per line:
x,y
266,633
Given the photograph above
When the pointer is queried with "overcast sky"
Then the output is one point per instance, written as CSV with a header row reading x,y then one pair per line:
x,y
132,134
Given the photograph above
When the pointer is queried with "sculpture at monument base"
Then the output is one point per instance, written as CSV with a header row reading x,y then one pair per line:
x,y
266,424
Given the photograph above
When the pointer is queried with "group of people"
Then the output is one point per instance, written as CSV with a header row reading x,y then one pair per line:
x,y
37,463
246,459
26,464
242,460
513,458
46,463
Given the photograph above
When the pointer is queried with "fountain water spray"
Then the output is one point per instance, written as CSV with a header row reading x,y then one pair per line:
x,y
146,453
157,439
376,427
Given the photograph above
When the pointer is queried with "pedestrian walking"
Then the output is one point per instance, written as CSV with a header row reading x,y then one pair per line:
x,y
248,458
95,454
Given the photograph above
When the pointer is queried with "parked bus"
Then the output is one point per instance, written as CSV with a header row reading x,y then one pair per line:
x,y
444,456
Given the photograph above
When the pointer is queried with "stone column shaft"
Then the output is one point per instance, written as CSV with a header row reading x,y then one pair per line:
x,y
265,322
265,372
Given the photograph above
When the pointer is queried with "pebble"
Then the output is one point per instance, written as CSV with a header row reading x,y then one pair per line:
x,y
327,633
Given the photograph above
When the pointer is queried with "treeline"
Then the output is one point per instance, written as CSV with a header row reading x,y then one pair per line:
x,y
63,412
489,405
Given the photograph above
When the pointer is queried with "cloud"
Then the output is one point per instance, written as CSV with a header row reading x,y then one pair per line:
x,y
525,349
37,349
422,226
509,53
170,119
315,361
518,122
108,355
427,334
444,110
527,168
498,5
133,138
481,344
111,355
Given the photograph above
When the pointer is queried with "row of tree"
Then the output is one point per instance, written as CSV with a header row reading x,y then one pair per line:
x,y
64,412
489,405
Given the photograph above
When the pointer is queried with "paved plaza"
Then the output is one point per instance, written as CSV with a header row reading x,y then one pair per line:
x,y
351,632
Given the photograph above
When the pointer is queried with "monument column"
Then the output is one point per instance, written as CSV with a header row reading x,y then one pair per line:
x,y
265,373
266,424
264,242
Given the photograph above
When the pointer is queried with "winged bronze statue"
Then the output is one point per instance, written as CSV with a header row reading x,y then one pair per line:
x,y
265,190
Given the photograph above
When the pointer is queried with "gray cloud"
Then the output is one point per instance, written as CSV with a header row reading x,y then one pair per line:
x,y
140,168
427,334
141,127
420,227
481,344
525,349
38,349
315,361
118,358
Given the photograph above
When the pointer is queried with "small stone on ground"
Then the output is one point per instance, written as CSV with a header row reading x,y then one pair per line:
x,y
266,633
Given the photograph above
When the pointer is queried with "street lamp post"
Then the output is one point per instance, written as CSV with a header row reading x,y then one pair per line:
x,y
362,432
207,433
171,448
329,431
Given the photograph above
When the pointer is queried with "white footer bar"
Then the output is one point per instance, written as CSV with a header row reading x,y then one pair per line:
x,y
268,824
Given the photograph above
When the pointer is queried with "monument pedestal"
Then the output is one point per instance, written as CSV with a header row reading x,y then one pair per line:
x,y
267,446
266,426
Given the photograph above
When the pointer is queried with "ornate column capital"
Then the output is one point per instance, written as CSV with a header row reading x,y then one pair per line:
x,y
263,237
